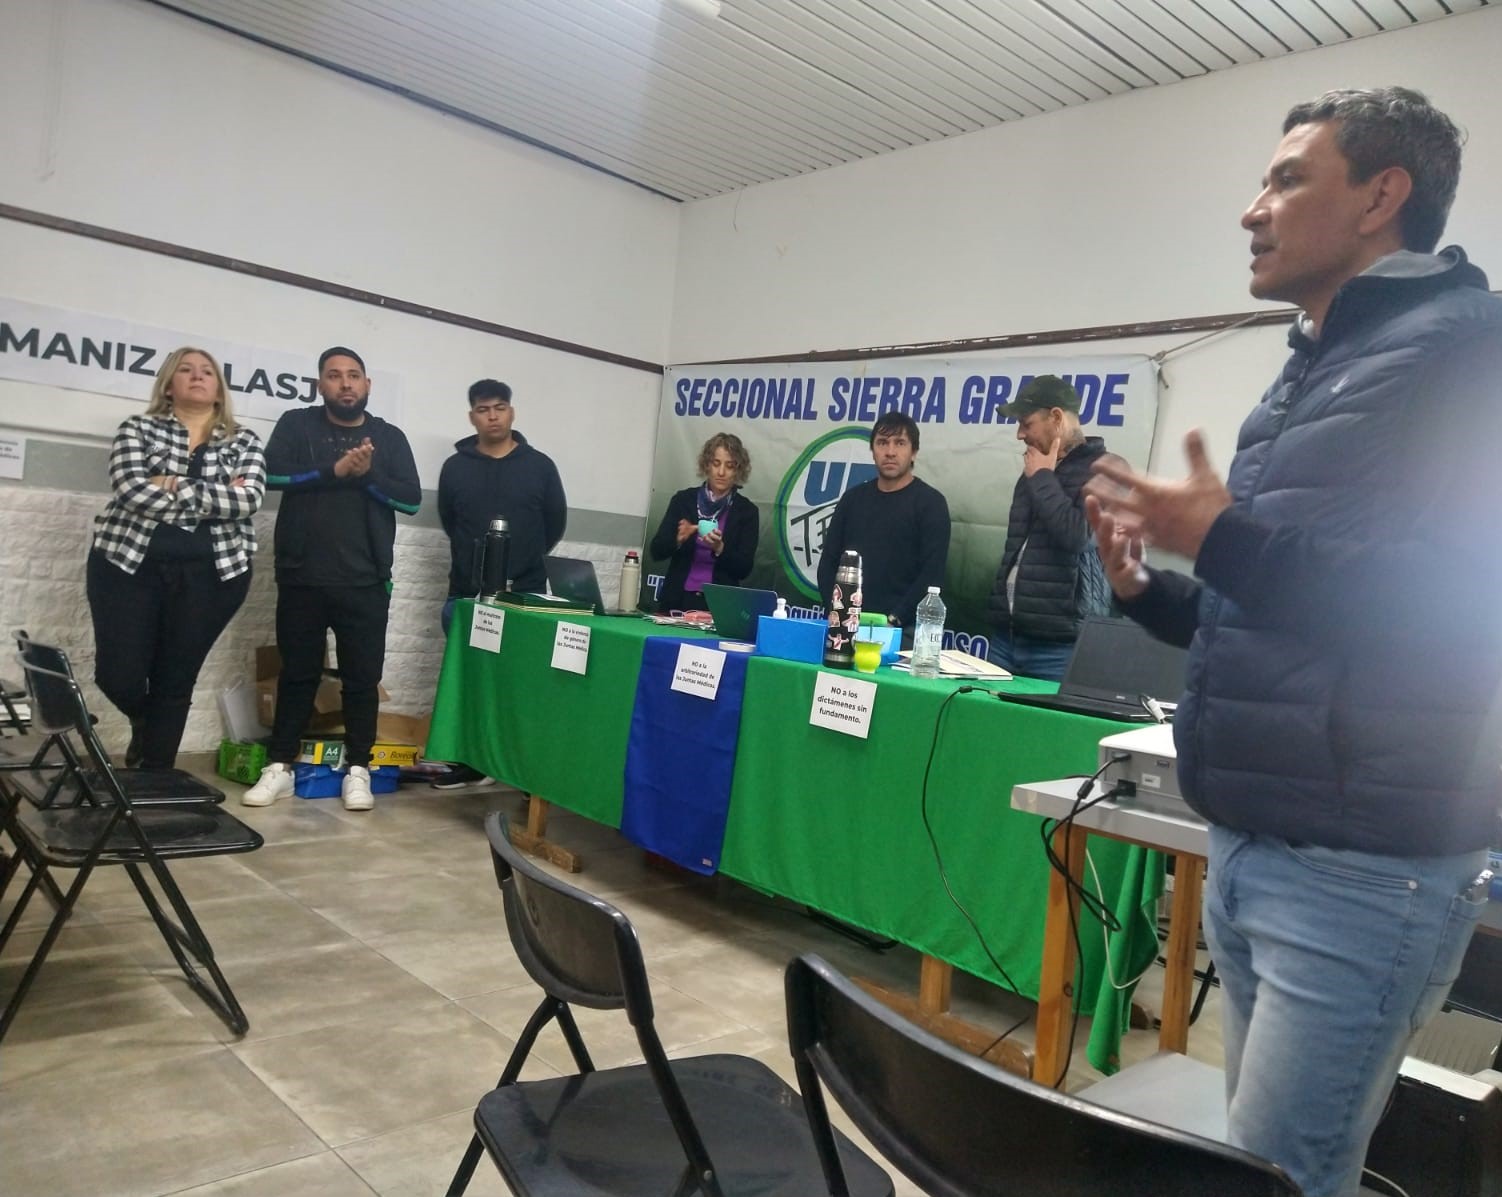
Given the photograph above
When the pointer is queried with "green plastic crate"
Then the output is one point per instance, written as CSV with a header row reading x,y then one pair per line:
x,y
242,761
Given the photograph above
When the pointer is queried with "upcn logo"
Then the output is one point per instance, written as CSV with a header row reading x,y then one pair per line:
x,y
806,499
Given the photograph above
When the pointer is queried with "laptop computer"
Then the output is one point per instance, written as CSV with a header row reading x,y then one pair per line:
x,y
737,608
1115,662
574,579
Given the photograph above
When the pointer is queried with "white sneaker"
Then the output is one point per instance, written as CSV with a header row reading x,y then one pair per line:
x,y
275,782
356,789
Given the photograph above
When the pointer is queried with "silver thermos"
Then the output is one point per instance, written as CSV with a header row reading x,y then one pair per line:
x,y
495,560
630,592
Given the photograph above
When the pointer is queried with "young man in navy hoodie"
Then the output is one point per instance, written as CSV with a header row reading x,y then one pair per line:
x,y
497,474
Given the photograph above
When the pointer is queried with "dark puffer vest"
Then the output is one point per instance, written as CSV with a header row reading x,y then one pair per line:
x,y
1061,579
1344,673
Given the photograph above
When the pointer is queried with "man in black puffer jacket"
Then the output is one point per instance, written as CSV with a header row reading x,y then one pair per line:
x,y
1341,728
1050,576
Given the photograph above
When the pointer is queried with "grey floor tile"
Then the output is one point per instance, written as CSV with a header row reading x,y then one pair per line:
x,y
322,1175
371,955
433,903
324,986
366,1077
419,1160
460,964
206,1117
264,924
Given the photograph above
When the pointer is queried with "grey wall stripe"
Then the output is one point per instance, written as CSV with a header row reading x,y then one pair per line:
x,y
58,465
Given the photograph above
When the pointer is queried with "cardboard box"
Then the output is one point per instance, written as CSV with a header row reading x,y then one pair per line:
x,y
331,753
328,702
241,761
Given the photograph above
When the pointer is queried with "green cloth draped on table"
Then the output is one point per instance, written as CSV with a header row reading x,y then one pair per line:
x,y
856,850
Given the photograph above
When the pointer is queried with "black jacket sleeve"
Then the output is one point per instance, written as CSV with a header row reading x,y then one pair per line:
x,y
554,508
392,478
665,541
934,527
742,531
1063,518
1168,608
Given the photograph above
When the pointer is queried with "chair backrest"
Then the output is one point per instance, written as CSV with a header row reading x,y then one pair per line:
x,y
583,951
57,701
578,948
960,1127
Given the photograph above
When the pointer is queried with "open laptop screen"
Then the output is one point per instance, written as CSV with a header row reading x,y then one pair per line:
x,y
1116,659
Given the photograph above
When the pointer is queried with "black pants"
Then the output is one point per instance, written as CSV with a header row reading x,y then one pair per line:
x,y
303,616
152,631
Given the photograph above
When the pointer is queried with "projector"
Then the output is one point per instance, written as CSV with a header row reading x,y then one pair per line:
x,y
1148,777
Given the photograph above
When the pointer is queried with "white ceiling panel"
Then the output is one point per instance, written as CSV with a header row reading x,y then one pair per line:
x,y
687,103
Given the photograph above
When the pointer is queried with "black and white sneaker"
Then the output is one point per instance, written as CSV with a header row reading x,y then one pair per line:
x,y
462,777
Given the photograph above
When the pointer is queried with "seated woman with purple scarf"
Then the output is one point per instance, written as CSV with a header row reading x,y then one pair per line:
x,y
709,532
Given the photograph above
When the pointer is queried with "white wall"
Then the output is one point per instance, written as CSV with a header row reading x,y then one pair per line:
x,y
125,115
1112,213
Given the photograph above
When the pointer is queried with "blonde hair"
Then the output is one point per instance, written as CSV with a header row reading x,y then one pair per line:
x,y
161,402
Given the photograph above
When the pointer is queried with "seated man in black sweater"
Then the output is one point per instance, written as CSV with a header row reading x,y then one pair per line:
x,y
896,522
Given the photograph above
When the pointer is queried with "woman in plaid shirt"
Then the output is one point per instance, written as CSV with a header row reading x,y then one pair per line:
x,y
170,564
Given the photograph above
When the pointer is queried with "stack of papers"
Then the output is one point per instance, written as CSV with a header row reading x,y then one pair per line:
x,y
953,663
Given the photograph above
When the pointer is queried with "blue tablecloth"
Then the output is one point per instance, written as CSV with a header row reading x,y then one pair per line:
x,y
680,757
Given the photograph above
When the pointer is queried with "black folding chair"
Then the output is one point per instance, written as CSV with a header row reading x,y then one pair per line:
x,y
109,828
718,1125
961,1127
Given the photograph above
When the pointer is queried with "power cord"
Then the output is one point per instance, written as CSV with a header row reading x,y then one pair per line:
x,y
1082,897
933,843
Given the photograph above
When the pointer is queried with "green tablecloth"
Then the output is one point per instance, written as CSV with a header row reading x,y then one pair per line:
x,y
816,816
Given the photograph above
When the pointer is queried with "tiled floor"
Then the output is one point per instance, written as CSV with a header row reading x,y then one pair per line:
x,y
370,955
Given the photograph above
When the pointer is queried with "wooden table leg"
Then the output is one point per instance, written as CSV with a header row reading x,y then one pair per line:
x,y
1056,977
1179,956
534,839
930,1010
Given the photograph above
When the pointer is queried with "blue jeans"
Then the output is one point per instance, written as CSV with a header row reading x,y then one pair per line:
x,y
1329,960
1045,659
446,616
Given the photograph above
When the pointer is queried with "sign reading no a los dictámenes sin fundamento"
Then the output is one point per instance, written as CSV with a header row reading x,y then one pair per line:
x,y
807,426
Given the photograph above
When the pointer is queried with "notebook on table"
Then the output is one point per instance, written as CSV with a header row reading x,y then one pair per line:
x,y
737,608
1116,663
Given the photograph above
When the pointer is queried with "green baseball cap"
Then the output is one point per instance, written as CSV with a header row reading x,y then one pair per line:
x,y
1040,394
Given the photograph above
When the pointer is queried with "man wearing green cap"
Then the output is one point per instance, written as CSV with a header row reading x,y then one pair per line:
x,y
1050,576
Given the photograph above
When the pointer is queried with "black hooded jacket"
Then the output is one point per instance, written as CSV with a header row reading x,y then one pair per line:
x,y
523,488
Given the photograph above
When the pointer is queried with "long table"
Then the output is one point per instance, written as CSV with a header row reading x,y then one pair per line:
x,y
818,817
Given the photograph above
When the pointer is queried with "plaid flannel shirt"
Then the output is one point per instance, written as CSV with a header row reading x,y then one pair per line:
x,y
149,445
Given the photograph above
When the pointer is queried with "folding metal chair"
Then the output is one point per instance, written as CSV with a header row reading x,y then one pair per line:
x,y
958,1126
720,1125
109,828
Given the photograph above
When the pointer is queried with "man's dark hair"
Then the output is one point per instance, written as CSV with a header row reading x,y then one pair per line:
x,y
1395,126
893,422
489,388
340,351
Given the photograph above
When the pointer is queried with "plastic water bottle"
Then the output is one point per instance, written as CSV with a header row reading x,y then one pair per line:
x,y
630,593
782,608
928,637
